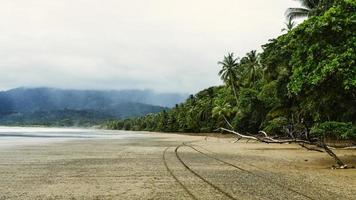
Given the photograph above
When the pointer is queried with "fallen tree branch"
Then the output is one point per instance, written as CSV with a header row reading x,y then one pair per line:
x,y
266,139
266,136
238,134
310,148
341,164
352,147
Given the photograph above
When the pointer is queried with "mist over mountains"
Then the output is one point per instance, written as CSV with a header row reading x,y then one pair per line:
x,y
49,105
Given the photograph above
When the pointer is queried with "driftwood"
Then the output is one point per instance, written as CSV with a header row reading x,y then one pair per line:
x,y
310,148
265,138
332,154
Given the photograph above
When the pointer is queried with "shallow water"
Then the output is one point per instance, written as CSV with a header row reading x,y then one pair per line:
x,y
19,136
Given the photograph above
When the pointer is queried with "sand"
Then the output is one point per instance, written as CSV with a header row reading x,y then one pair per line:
x,y
171,166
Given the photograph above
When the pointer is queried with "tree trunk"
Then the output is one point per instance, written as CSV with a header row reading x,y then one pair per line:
x,y
234,89
341,164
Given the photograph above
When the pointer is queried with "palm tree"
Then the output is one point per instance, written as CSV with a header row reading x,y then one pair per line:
x,y
309,7
222,110
251,66
229,73
289,25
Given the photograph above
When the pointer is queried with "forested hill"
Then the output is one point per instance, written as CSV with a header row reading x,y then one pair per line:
x,y
60,98
46,106
304,79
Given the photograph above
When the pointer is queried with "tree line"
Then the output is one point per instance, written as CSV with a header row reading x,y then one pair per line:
x,y
303,80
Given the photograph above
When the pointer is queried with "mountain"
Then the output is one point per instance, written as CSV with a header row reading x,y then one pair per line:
x,y
50,105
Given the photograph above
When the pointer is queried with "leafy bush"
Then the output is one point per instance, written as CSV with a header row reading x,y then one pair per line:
x,y
340,130
276,125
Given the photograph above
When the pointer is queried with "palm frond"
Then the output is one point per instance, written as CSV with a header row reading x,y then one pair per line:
x,y
289,25
309,4
295,13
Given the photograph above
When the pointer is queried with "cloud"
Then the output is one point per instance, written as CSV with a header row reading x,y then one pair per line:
x,y
165,45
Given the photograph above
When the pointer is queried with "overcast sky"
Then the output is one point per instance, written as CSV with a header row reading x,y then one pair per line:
x,y
164,45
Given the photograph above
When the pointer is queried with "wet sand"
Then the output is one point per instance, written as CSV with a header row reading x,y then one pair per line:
x,y
171,166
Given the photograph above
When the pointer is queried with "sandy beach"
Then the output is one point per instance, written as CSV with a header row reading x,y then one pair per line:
x,y
131,165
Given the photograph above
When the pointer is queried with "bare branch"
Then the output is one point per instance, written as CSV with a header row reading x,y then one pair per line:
x,y
266,139
228,123
238,134
266,136
341,164
310,148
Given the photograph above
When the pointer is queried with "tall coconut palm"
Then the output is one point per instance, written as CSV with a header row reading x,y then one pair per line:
x,y
251,65
229,73
307,9
289,25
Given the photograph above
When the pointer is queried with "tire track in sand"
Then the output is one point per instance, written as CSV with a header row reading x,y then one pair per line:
x,y
200,177
175,178
247,171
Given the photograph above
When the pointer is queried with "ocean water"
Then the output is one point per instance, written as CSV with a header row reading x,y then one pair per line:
x,y
19,136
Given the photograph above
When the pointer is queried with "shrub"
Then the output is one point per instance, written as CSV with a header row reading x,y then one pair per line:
x,y
276,125
340,130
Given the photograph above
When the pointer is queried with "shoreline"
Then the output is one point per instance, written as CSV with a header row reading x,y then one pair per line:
x,y
133,168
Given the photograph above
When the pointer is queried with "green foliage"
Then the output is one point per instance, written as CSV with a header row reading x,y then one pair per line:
x,y
339,130
230,72
195,115
250,68
67,117
313,66
289,25
324,49
276,125
302,78
251,111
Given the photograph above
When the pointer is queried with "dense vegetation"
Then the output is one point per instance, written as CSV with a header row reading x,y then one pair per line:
x,y
56,118
303,79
